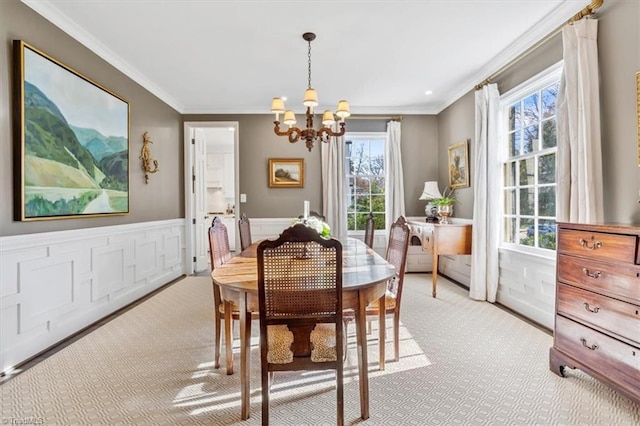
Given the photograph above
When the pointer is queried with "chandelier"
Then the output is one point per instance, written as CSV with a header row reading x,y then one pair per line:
x,y
309,134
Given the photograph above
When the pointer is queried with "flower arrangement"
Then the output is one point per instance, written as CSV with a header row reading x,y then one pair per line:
x,y
318,225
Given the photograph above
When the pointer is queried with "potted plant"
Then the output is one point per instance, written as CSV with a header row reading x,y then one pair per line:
x,y
445,205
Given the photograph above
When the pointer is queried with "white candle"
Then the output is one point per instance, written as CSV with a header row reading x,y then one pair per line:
x,y
306,210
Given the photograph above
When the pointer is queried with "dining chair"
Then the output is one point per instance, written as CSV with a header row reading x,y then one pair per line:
x,y
219,254
245,231
397,256
300,298
368,231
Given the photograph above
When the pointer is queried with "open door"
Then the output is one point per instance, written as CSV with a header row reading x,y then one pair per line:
x,y
200,222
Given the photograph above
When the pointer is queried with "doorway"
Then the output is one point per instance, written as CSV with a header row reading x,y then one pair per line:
x,y
211,186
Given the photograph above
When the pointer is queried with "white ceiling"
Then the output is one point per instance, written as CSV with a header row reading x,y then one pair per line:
x,y
207,56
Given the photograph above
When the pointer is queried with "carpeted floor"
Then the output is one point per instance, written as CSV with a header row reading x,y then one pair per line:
x,y
462,363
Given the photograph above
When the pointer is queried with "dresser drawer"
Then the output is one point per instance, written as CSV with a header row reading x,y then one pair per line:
x,y
598,245
601,312
621,281
612,358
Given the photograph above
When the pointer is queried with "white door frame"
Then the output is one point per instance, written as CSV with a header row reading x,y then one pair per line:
x,y
189,177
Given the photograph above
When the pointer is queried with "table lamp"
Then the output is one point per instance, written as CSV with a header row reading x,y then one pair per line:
x,y
431,192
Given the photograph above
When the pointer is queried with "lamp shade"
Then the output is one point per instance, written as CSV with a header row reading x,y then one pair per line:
x,y
310,98
277,105
327,118
289,118
343,109
430,191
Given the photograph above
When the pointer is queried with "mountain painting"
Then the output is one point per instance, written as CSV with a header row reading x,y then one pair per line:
x,y
72,142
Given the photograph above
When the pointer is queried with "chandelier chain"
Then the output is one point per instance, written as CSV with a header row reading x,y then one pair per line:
x,y
309,62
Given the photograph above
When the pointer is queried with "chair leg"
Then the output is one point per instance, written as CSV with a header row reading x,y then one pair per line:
x,y
345,339
265,395
396,336
218,338
228,337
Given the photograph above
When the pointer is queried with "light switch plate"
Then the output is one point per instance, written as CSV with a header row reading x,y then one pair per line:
x,y
243,198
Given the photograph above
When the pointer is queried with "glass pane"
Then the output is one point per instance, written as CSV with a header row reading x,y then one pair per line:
x,y
510,229
363,203
510,201
378,220
530,142
547,234
351,222
514,144
527,171
510,174
352,203
547,168
376,166
361,220
530,112
527,201
377,185
549,134
549,98
514,116
527,234
362,185
547,201
377,203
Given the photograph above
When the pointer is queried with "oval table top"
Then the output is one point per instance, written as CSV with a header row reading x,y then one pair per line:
x,y
361,267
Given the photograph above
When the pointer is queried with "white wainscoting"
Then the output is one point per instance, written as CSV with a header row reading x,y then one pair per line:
x,y
527,284
55,284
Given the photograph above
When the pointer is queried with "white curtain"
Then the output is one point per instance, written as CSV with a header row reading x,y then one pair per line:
x,y
394,183
334,197
486,194
579,175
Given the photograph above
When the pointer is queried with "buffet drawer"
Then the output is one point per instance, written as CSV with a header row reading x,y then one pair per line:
x,y
598,245
613,316
615,280
612,356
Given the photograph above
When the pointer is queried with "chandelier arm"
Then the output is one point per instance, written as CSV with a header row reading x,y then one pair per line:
x,y
293,132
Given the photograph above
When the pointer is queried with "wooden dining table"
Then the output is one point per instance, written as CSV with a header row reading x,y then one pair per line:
x,y
364,279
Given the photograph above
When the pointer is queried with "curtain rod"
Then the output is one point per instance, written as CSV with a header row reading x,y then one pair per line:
x,y
375,117
588,10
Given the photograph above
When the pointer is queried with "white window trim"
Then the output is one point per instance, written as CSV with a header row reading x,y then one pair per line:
x,y
538,81
365,135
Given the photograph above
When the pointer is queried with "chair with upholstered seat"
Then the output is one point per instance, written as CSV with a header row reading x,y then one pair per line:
x,y
397,256
369,230
244,227
220,253
300,294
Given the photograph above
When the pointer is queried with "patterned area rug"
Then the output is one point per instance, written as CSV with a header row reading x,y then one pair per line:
x,y
462,362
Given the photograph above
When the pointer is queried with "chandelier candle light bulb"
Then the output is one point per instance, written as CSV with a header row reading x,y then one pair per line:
x,y
310,100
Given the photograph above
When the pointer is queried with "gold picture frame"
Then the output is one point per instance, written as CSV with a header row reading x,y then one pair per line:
x,y
458,165
286,172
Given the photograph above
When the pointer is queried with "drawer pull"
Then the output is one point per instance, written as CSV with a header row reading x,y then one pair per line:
x,y
585,244
594,310
592,347
595,275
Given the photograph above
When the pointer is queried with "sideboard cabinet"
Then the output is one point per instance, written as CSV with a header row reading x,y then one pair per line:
x,y
597,314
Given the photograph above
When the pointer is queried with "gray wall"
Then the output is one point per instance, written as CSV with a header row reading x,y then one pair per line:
x,y
258,143
619,60
162,198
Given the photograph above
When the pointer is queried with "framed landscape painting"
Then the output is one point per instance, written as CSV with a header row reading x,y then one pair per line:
x,y
286,172
459,165
71,142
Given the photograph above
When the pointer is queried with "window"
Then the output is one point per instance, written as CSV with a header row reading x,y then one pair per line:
x,y
529,165
365,165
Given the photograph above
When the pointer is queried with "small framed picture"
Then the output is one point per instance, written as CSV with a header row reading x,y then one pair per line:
x,y
286,172
459,165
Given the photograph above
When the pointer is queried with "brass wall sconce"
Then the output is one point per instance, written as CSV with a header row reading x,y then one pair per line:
x,y
145,156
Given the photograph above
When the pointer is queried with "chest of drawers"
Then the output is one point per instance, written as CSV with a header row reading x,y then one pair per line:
x,y
597,318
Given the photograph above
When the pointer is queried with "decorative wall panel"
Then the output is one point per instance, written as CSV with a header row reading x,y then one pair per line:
x,y
55,284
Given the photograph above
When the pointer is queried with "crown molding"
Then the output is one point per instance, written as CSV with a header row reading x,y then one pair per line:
x,y
48,11
355,110
547,25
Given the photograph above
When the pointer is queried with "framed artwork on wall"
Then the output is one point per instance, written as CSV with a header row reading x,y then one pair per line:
x,y
286,172
71,142
459,165
638,111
